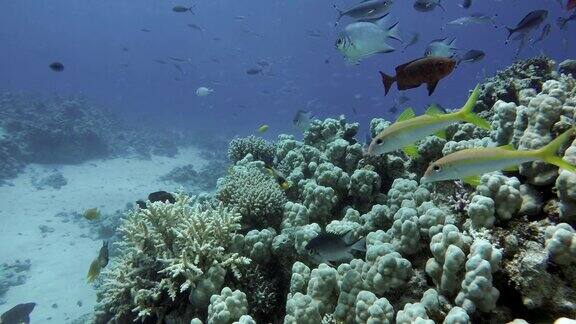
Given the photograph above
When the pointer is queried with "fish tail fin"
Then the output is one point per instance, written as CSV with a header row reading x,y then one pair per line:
x,y
359,245
549,153
467,112
387,81
510,32
394,32
94,270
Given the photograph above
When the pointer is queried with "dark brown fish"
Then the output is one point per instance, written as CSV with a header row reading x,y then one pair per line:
x,y
413,74
18,314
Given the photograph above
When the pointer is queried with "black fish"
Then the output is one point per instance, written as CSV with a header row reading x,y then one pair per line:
x,y
532,20
254,70
472,56
57,67
18,314
162,196
182,9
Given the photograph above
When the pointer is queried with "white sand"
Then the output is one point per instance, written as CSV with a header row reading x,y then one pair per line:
x,y
60,260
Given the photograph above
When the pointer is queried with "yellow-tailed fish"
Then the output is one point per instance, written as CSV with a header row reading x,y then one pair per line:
x,y
469,164
409,129
99,262
262,128
279,178
92,214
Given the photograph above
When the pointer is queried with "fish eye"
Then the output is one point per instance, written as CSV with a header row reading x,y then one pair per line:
x,y
379,141
436,167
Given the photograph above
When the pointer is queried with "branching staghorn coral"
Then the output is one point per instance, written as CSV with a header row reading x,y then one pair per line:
x,y
167,250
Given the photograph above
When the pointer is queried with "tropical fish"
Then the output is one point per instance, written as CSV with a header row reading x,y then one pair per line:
x,y
302,120
92,214
182,9
409,129
161,196
99,262
203,91
284,184
56,67
362,39
329,247
531,21
469,164
367,10
263,128
441,48
561,22
414,37
429,70
475,18
427,5
472,56
19,314
545,32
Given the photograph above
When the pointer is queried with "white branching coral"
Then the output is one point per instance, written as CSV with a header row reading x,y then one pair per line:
x,y
167,251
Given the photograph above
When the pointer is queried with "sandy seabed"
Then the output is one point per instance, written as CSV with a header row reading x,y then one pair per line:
x,y
60,259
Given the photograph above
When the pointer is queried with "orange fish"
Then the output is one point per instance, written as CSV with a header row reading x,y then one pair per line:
x,y
413,74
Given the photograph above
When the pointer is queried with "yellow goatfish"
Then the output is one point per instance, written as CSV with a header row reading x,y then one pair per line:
x,y
469,164
409,129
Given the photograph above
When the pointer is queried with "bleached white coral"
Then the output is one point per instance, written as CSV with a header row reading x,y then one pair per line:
x,y
166,252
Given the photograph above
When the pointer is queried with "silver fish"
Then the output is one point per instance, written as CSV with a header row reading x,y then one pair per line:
x,y
475,18
441,48
302,120
545,32
329,247
531,21
472,56
362,39
367,10
427,5
414,37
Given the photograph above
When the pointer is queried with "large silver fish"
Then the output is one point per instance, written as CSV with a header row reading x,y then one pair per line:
x,y
441,48
367,10
362,39
475,18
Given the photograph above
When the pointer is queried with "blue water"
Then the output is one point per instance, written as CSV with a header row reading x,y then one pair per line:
x,y
88,37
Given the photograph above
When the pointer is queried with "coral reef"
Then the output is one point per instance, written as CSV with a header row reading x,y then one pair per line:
x,y
435,253
70,130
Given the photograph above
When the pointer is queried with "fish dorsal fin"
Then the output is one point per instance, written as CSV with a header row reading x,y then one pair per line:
x,y
411,151
434,110
408,113
382,21
508,147
473,180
